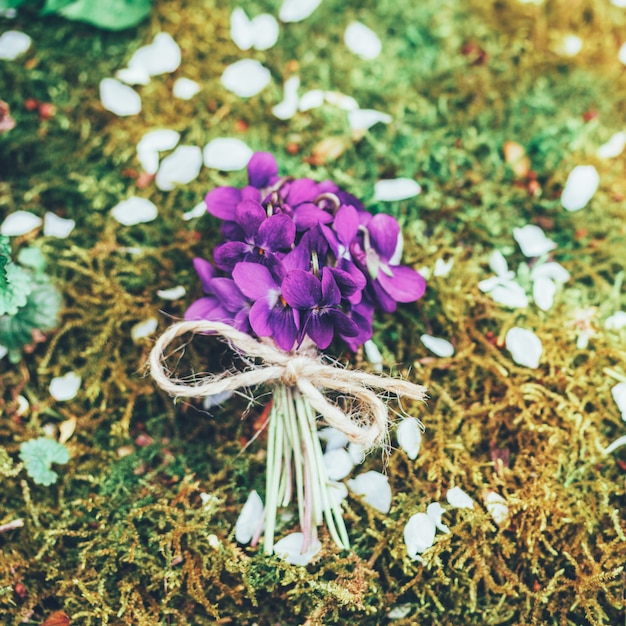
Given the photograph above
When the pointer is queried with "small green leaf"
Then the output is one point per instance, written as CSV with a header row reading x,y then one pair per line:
x,y
54,6
39,454
112,15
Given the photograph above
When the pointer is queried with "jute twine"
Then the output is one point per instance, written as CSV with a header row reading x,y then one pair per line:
x,y
309,374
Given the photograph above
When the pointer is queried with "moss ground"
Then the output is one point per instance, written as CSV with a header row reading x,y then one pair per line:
x,y
125,539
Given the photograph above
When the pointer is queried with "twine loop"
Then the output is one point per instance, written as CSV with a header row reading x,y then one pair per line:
x,y
367,423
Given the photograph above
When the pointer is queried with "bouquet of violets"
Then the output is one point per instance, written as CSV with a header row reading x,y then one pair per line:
x,y
302,263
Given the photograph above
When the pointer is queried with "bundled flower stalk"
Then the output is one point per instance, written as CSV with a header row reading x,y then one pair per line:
x,y
302,264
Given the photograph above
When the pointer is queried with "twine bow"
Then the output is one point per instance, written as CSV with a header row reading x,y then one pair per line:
x,y
309,374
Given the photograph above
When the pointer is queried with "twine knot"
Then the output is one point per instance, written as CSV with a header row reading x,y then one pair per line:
x,y
367,422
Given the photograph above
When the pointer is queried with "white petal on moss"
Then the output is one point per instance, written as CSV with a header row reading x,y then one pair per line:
x,y
581,185
65,387
396,189
185,88
571,45
457,498
373,355
162,56
311,100
355,450
544,289
55,226
375,489
265,28
333,438
179,168
13,43
249,519
497,507
149,160
246,78
363,41
364,119
400,611
240,29
144,329
341,100
509,293
619,3
133,75
159,139
621,55
289,106
409,435
552,270
135,210
198,211
525,347
499,266
216,399
619,395
174,293
613,147
119,98
616,321
19,223
442,268
227,154
3,352
437,345
338,464
289,549
533,241
435,511
297,10
419,534
338,492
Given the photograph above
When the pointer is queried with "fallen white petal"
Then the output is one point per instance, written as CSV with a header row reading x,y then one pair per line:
x,y
149,160
338,463
216,399
265,28
174,293
227,154
297,10
419,534
355,450
525,347
65,387
363,41
400,611
3,352
249,519
544,289
162,56
311,100
338,492
55,226
198,211
510,294
364,119
241,30
179,168
289,549
435,511
619,3
333,438
621,55
442,268
159,139
497,507
289,106
396,189
616,321
338,99
552,270
185,88
246,78
135,210
489,284
619,395
499,266
533,241
437,345
613,147
13,43
375,489
19,223
571,45
457,498
133,75
144,329
581,185
409,435
119,98
373,355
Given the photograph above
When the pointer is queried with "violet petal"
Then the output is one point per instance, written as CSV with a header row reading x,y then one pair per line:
x,y
262,168
406,285
206,272
283,327
260,317
204,309
301,190
320,329
250,215
277,232
228,294
228,254
301,290
384,231
254,280
308,215
221,202
344,325
346,224
330,291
